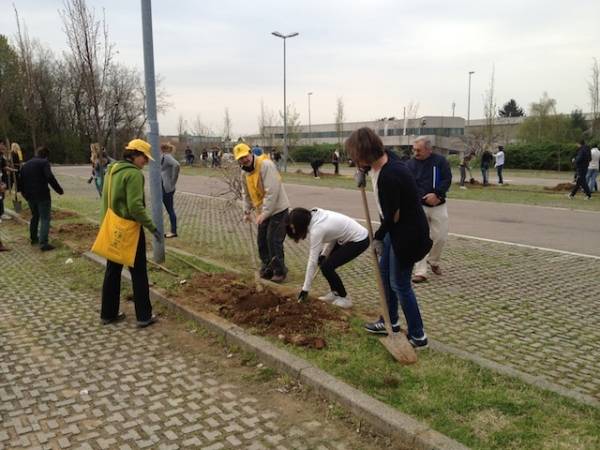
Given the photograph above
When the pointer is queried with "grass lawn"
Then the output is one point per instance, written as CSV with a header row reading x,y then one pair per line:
x,y
471,404
509,193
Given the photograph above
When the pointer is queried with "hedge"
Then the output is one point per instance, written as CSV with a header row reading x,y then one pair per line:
x,y
307,153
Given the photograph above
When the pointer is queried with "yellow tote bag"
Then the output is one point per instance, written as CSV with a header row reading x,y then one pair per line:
x,y
118,238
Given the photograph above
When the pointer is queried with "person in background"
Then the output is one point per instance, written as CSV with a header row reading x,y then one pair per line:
x,y
277,159
334,240
37,175
335,160
316,164
99,161
486,162
16,161
592,172
4,178
500,163
582,161
189,155
403,236
169,171
126,181
2,191
263,191
434,177
463,167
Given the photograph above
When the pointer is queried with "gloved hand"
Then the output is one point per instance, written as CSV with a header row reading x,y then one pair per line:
x,y
361,178
158,236
378,246
321,259
302,296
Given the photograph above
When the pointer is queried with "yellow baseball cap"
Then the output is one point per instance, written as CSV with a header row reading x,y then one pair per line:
x,y
241,150
141,146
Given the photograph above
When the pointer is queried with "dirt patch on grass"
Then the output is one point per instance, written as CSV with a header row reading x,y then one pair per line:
x,y
267,312
561,187
56,214
81,236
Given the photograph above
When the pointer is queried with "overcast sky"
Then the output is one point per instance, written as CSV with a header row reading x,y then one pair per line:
x,y
377,55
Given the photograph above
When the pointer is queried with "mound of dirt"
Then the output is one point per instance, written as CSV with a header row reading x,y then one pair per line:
x,y
561,187
267,312
78,235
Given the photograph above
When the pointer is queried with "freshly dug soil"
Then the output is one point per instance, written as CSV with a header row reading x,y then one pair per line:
x,y
267,312
78,235
56,214
561,187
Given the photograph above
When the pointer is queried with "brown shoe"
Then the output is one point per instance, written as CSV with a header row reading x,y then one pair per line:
x,y
4,249
419,279
435,269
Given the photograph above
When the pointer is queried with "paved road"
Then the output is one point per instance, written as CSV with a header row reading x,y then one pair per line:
x,y
573,231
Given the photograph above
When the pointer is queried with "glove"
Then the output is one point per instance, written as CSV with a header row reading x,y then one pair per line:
x,y
378,246
302,296
361,178
157,235
321,259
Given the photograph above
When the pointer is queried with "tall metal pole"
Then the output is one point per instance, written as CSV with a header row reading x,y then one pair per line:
x,y
309,126
155,179
469,100
285,136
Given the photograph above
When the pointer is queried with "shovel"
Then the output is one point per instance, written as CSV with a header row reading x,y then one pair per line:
x,y
257,282
395,343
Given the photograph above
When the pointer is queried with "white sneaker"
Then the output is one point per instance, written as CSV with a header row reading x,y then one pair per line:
x,y
463,187
6,217
343,302
329,297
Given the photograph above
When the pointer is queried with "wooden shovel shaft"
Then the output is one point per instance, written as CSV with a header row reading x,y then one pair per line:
x,y
382,297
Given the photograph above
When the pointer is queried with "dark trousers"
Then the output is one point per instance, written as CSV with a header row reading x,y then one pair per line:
x,y
463,174
581,183
340,255
1,205
168,198
336,168
270,237
484,175
111,289
499,170
40,216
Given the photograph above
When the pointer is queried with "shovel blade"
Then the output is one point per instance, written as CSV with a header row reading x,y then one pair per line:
x,y
399,347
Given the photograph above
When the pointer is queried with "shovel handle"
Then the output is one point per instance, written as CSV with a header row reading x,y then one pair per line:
x,y
382,298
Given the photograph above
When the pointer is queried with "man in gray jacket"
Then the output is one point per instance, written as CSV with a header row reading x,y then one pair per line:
x,y
263,191
169,171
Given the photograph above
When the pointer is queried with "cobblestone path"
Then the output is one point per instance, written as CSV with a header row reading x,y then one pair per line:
x,y
68,382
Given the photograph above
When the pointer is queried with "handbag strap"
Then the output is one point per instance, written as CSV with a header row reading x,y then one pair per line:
x,y
110,175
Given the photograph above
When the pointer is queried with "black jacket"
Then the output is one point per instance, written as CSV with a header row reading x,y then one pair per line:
x,y
37,175
403,217
486,160
433,175
583,158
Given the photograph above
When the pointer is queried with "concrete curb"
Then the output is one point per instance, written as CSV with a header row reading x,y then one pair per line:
x,y
408,432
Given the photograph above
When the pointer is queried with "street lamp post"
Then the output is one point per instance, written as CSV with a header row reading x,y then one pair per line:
x,y
469,100
285,136
309,126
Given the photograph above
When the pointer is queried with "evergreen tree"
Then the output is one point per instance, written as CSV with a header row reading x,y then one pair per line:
x,y
511,109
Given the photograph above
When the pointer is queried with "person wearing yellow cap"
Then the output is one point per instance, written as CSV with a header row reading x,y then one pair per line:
x,y
125,181
264,193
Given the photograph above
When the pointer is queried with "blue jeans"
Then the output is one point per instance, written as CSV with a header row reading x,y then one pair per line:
x,y
398,289
40,215
590,178
168,202
484,175
499,170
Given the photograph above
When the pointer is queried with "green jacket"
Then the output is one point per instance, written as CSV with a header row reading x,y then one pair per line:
x,y
127,193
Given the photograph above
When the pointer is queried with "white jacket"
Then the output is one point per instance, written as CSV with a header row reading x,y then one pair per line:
x,y
595,161
325,229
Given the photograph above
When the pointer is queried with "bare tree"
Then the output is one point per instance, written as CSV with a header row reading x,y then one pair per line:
x,y
293,125
90,58
412,110
227,126
28,88
489,109
594,90
339,123
181,128
199,128
266,121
